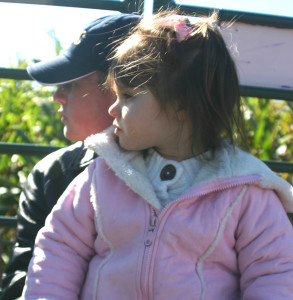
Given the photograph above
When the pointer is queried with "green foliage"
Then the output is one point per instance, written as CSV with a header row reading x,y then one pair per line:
x,y
269,126
27,115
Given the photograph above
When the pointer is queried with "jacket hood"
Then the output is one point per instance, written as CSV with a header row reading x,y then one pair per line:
x,y
228,163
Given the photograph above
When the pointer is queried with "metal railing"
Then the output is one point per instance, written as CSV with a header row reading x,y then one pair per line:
x,y
246,91
125,6
26,149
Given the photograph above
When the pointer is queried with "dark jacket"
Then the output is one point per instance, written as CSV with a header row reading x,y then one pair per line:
x,y
47,181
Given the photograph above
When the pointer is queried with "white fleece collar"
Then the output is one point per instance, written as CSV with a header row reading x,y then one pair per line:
x,y
127,165
228,163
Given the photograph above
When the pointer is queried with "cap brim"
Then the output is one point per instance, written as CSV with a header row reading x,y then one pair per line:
x,y
58,71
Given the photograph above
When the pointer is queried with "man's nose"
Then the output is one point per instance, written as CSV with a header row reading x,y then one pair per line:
x,y
60,96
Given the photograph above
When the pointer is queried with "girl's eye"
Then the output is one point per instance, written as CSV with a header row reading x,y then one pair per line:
x,y
127,96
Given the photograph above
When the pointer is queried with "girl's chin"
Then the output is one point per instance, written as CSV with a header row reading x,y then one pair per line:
x,y
128,147
122,144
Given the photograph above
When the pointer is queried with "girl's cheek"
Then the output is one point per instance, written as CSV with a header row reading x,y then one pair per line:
x,y
124,111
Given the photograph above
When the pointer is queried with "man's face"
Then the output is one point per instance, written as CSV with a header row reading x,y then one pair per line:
x,y
84,107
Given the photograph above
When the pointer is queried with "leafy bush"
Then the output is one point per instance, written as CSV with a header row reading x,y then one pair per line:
x,y
269,126
27,115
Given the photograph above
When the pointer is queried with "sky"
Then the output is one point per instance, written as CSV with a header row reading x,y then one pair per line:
x,y
26,29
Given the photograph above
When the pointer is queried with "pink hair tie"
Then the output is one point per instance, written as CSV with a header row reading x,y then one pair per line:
x,y
181,29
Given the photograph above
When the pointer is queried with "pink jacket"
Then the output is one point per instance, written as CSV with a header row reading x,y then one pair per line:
x,y
226,238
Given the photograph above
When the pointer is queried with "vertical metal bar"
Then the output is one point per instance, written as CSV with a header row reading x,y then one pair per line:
x,y
148,8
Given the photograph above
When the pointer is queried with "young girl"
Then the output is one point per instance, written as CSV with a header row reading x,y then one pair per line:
x,y
171,209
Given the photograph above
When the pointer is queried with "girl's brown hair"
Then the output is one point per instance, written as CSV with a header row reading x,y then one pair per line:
x,y
196,74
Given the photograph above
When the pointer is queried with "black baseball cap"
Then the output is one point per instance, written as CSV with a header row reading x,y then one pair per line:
x,y
87,54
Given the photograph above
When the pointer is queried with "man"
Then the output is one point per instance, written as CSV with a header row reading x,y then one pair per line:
x,y
84,103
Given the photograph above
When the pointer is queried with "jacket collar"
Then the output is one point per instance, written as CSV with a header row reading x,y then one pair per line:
x,y
228,165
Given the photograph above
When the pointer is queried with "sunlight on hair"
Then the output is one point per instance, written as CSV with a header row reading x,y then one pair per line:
x,y
128,44
203,23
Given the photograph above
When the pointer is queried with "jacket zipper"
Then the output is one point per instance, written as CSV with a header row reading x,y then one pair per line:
x,y
156,216
148,243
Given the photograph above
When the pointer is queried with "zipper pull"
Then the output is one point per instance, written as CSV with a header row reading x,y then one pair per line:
x,y
153,222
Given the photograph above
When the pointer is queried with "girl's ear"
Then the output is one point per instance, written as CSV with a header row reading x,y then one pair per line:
x,y
182,115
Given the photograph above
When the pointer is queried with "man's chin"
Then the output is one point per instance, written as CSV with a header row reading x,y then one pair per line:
x,y
70,135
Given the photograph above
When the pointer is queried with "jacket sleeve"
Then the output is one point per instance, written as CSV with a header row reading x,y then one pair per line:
x,y
45,184
64,245
265,247
32,213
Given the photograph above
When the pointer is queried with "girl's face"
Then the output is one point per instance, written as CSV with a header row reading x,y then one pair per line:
x,y
140,123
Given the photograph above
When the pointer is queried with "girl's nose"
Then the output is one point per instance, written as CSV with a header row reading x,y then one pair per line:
x,y
114,109
60,96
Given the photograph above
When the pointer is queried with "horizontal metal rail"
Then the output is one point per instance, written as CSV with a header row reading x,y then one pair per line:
x,y
279,166
8,221
15,74
135,5
267,93
229,15
246,91
117,5
26,149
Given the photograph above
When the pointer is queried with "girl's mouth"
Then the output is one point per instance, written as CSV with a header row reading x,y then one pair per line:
x,y
116,129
